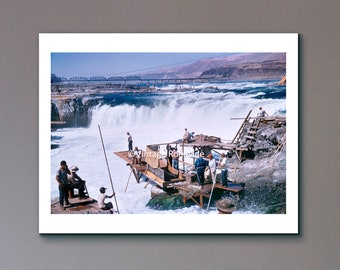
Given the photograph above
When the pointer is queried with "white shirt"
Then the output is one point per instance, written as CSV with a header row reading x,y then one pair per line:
x,y
101,199
186,135
223,164
212,165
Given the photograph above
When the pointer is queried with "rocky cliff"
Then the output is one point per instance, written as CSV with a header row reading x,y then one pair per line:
x,y
264,70
263,169
75,111
235,66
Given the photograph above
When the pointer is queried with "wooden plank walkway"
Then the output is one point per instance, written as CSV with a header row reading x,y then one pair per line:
x,y
78,206
196,193
125,156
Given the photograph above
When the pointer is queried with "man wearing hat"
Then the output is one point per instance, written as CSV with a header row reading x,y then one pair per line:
x,y
101,200
62,179
76,182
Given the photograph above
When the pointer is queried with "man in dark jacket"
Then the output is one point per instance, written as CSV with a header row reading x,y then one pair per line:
x,y
200,165
62,179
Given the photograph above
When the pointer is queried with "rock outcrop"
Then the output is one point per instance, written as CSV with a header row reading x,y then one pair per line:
x,y
75,111
264,172
262,70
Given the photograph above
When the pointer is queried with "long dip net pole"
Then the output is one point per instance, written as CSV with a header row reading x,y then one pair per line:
x,y
108,169
213,176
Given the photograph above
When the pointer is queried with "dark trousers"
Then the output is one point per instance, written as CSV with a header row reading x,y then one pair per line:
x,y
224,177
63,194
175,164
130,145
200,175
108,206
80,185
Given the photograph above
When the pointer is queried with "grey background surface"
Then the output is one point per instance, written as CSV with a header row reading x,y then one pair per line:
x,y
317,246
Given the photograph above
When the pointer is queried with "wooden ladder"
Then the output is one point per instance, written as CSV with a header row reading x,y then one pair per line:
x,y
251,133
240,132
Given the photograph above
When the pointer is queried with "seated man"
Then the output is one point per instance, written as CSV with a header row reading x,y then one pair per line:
x,y
101,200
76,182
137,156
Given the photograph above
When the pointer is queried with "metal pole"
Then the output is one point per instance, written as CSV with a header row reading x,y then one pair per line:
x,y
107,164
213,186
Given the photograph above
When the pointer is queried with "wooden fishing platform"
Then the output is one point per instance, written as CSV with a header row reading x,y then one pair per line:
x,y
155,162
129,160
78,206
202,141
158,170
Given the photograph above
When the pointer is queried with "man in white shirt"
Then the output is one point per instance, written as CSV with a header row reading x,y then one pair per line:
x,y
101,200
224,170
262,113
212,166
186,136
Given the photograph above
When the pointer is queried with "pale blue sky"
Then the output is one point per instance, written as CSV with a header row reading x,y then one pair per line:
x,y
118,64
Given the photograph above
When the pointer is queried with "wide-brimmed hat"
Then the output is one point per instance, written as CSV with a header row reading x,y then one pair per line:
x,y
225,206
74,168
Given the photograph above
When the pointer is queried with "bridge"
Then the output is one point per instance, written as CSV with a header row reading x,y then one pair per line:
x,y
126,80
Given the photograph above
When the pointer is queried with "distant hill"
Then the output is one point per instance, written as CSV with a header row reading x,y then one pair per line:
x,y
233,66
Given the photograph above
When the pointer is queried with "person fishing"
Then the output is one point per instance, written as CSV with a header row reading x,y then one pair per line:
x,y
101,200
102,190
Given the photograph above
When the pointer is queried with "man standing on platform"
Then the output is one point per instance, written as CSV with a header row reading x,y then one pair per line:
x,y
62,180
129,141
200,165
186,136
212,167
224,169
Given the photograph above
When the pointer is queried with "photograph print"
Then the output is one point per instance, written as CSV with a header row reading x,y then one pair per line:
x,y
149,133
